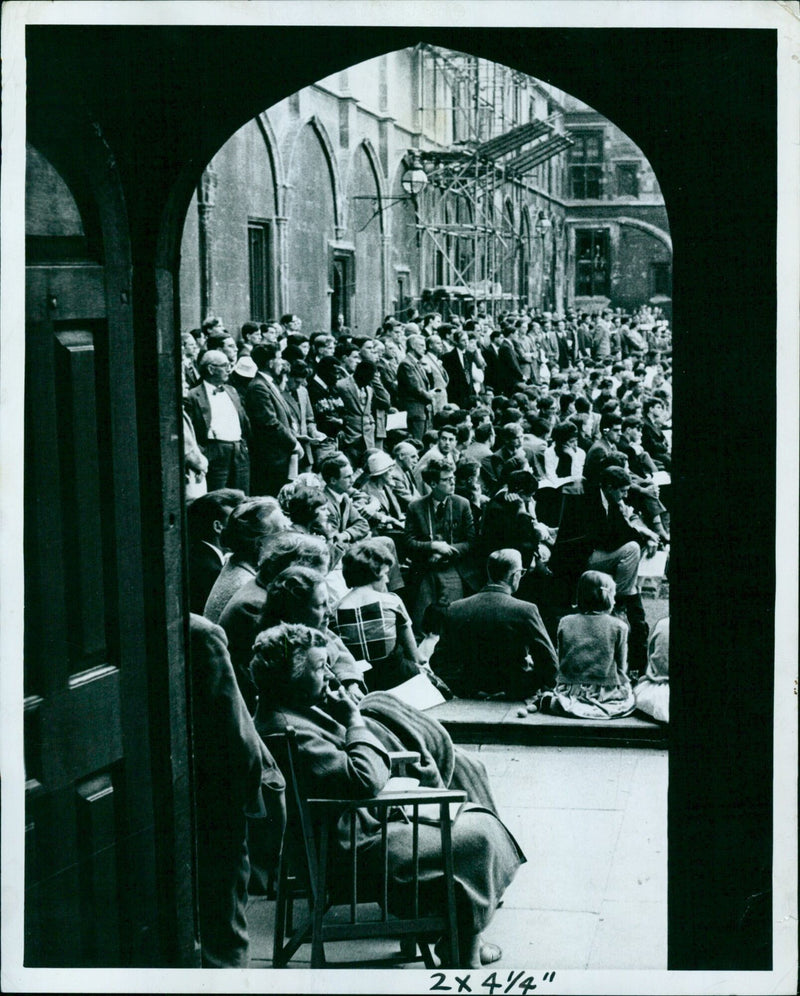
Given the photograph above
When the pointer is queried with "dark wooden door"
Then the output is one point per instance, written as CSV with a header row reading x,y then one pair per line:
x,y
90,867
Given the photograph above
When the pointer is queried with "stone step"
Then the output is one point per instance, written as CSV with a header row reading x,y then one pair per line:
x,y
478,722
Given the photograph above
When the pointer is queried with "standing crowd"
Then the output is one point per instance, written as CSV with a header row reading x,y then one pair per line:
x,y
467,501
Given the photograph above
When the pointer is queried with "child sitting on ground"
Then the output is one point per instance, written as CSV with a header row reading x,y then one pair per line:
x,y
592,680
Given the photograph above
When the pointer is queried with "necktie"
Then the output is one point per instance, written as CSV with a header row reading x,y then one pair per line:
x,y
219,390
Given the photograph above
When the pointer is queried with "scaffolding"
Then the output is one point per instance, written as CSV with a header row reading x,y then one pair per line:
x,y
469,111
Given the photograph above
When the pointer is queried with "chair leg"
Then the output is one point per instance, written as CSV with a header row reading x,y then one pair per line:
x,y
317,946
408,948
427,957
447,855
282,911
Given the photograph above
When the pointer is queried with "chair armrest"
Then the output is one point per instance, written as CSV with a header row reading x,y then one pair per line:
x,y
404,757
390,799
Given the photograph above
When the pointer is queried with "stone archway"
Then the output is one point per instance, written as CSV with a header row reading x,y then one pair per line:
x,y
162,126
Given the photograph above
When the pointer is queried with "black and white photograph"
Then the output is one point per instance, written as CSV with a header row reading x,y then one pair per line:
x,y
399,503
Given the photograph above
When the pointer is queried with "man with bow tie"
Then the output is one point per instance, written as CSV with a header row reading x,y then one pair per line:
x,y
220,424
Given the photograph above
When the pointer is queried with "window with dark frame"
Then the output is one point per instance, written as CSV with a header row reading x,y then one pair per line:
x,y
627,180
592,269
258,247
586,165
661,279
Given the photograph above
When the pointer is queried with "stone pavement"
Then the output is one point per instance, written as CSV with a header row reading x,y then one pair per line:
x,y
593,894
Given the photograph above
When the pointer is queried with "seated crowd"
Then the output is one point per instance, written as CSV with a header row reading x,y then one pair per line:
x,y
468,501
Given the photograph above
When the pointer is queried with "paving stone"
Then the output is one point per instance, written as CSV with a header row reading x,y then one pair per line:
x,y
543,939
630,935
569,858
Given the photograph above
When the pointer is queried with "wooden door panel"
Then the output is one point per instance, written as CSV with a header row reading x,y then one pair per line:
x,y
82,823
76,418
81,729
72,914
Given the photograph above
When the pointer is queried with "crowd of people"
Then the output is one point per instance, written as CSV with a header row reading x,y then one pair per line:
x,y
466,501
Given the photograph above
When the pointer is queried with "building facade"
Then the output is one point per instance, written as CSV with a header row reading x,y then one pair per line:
x,y
423,178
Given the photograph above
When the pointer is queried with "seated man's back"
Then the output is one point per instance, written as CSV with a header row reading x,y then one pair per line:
x,y
494,643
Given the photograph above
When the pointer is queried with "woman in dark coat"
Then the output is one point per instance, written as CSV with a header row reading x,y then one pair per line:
x,y
343,754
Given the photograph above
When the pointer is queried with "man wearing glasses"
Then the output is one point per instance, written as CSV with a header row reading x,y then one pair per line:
x,y
220,424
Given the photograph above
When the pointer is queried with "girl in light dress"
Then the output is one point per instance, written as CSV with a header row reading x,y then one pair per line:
x,y
592,680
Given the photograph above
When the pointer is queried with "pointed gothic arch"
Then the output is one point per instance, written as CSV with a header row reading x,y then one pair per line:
x,y
276,160
292,143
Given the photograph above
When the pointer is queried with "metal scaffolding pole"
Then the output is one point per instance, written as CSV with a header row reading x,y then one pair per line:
x,y
479,153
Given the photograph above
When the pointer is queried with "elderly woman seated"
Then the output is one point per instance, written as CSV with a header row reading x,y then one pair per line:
x,y
344,754
246,534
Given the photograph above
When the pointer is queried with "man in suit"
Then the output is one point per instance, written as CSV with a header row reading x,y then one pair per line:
x,y
359,422
567,344
509,376
401,477
494,644
276,448
302,414
372,352
388,363
654,439
549,344
534,443
510,438
414,387
235,778
439,537
444,449
481,445
221,426
490,350
348,523
206,518
610,435
458,366
190,375
437,375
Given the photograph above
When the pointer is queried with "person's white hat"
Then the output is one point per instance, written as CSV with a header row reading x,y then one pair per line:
x,y
245,367
379,463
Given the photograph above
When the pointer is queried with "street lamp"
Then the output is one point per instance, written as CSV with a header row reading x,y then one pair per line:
x,y
414,179
543,225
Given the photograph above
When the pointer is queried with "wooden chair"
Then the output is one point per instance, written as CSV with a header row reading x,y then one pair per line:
x,y
303,868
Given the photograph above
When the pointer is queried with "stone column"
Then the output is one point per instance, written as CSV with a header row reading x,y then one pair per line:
x,y
206,198
280,296
386,269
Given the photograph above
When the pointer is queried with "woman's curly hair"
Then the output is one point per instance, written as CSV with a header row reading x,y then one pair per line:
x,y
279,657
